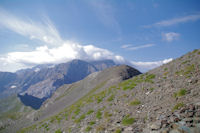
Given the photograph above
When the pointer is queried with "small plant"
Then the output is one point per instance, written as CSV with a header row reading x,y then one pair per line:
x,y
80,118
88,129
151,89
127,120
118,130
189,69
135,102
99,114
77,111
58,131
100,128
92,123
111,98
177,106
181,92
107,114
90,112
165,69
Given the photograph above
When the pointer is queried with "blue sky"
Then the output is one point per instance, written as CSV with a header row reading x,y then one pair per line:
x,y
142,33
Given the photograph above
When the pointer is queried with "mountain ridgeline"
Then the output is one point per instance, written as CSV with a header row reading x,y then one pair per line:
x,y
37,84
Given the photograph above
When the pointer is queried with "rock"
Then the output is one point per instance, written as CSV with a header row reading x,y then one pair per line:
x,y
197,114
188,120
156,125
190,114
196,120
128,129
174,126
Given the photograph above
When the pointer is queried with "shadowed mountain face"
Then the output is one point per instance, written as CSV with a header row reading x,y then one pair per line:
x,y
41,81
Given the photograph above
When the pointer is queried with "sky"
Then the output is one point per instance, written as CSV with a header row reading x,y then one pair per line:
x,y
142,33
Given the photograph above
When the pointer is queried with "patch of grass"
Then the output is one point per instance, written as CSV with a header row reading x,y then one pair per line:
x,y
100,96
100,128
66,116
118,130
80,118
177,106
111,98
88,129
90,112
107,114
189,69
181,92
135,102
77,111
165,73
149,78
184,62
127,120
58,131
151,89
99,114
92,123
194,51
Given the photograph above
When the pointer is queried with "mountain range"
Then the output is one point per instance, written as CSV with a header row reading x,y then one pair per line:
x,y
37,84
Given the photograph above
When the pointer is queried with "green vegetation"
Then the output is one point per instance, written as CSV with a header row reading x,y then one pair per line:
x,y
177,106
118,130
189,69
149,78
100,96
127,120
111,98
135,102
181,92
92,123
90,112
99,114
107,114
80,118
58,131
151,89
100,128
186,71
165,69
88,129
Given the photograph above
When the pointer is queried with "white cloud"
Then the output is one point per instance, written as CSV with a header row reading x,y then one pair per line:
x,y
130,47
174,21
126,46
45,31
170,36
178,20
65,52
145,66
59,50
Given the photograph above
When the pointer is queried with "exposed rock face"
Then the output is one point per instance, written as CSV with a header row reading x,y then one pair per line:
x,y
41,81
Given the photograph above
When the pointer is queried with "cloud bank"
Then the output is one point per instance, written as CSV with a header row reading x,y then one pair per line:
x,y
130,47
174,21
54,49
170,36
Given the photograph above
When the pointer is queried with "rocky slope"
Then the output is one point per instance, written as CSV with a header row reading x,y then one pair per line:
x,y
163,100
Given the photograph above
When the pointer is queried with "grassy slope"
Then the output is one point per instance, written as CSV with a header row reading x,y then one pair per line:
x,y
132,102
